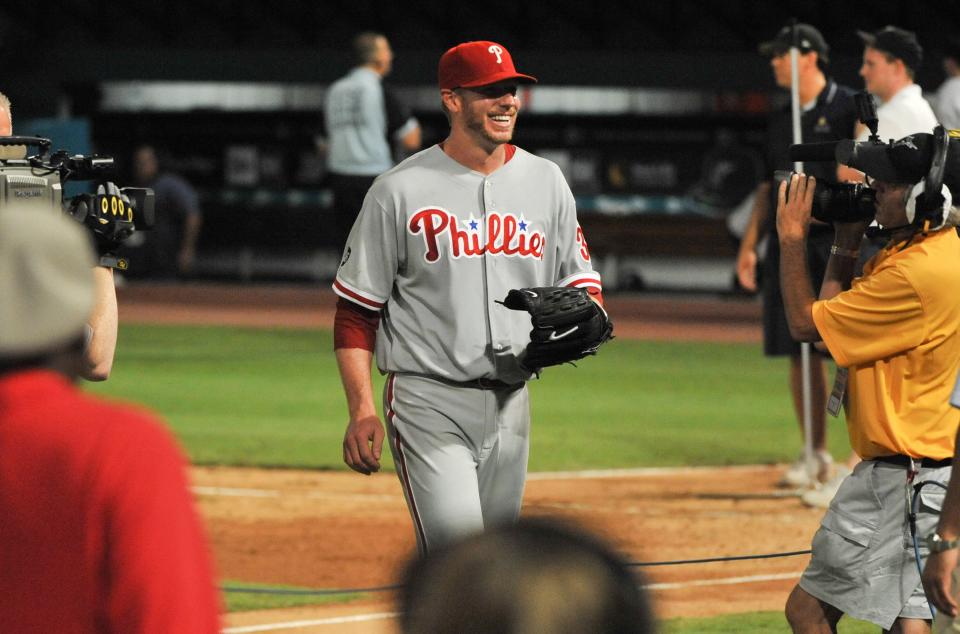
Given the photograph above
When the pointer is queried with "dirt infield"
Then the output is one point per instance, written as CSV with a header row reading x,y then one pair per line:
x,y
635,316
342,530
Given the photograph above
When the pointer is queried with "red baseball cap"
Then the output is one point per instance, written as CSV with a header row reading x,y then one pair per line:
x,y
475,64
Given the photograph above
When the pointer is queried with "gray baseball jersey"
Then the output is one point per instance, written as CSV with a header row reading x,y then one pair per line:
x,y
436,243
434,246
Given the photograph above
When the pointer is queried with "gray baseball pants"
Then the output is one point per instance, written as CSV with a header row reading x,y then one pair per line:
x,y
460,453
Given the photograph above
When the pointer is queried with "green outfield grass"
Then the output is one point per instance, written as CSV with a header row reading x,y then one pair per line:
x,y
769,622
240,396
273,398
246,601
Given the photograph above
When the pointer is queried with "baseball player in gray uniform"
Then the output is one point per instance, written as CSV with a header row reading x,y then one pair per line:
x,y
440,238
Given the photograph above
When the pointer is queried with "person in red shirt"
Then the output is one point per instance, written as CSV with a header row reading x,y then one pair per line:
x,y
97,527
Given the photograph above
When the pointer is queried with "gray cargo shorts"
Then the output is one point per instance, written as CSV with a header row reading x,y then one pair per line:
x,y
863,559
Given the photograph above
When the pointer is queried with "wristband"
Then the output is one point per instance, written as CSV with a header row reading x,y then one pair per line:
x,y
937,544
846,253
113,262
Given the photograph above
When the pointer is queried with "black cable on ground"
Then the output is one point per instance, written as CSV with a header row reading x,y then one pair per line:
x,y
336,591
678,562
255,590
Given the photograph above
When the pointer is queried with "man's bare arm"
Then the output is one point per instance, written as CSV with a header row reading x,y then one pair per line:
x,y
413,139
102,325
843,259
747,255
793,219
938,572
188,244
363,440
794,205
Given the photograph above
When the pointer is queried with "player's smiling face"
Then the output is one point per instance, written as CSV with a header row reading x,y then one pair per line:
x,y
490,112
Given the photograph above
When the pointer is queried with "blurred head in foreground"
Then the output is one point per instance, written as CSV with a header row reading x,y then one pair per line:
x,y
535,577
47,290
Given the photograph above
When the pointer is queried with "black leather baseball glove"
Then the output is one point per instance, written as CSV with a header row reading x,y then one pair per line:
x,y
567,324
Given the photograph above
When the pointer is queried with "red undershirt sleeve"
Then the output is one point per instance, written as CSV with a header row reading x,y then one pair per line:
x,y
595,293
354,326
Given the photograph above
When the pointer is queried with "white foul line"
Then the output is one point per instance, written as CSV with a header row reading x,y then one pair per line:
x,y
235,492
729,581
540,475
648,471
275,493
289,625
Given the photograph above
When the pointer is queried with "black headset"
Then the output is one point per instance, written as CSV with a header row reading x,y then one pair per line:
x,y
929,204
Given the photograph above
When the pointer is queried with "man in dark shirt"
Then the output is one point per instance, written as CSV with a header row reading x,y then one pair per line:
x,y
170,248
828,114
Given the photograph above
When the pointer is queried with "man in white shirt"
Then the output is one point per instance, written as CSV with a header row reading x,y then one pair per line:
x,y
891,58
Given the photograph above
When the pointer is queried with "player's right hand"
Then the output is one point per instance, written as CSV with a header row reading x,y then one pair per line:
x,y
363,444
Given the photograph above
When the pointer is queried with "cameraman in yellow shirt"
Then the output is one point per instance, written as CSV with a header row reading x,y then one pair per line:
x,y
896,330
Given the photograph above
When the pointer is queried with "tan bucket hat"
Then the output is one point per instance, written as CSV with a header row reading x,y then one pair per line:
x,y
46,281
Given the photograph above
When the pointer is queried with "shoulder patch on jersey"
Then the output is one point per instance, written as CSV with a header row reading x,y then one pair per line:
x,y
346,256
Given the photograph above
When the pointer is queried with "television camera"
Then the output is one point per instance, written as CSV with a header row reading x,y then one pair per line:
x,y
111,214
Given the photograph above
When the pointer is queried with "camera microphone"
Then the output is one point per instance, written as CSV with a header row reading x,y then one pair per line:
x,y
813,151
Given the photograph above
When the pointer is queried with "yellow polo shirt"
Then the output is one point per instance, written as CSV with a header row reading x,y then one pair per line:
x,y
896,330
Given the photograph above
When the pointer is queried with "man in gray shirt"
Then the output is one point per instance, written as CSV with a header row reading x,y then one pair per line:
x,y
362,119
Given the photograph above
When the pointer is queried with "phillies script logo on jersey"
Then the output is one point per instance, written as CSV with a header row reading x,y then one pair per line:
x,y
505,234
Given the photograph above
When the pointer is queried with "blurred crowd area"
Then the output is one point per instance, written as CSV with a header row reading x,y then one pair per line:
x,y
656,114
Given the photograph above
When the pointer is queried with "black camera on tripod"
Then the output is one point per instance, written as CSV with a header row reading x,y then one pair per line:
x,y
112,214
